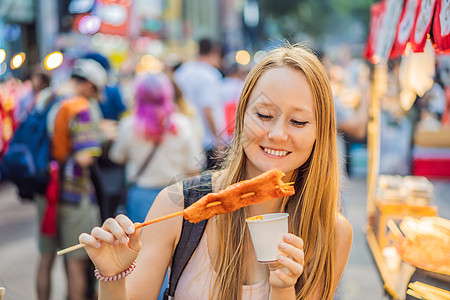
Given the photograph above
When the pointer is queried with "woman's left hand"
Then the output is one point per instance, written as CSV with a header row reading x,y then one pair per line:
x,y
289,266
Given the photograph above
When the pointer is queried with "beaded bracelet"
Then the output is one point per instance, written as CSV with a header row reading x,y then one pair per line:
x,y
119,276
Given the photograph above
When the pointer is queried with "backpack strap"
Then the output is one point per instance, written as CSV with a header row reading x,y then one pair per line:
x,y
191,233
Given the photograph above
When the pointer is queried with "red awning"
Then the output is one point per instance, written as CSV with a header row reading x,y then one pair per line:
x,y
404,28
441,26
413,27
422,24
377,11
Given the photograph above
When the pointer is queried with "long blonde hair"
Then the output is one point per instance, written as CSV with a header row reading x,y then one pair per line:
x,y
312,209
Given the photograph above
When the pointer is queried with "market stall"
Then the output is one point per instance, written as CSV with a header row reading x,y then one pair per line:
x,y
409,241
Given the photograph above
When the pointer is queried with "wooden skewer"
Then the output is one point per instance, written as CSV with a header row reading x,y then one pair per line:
x,y
284,185
424,288
414,294
139,225
242,197
428,292
70,249
213,204
394,229
180,213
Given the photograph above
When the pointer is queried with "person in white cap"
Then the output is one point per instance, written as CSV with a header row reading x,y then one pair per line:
x,y
75,146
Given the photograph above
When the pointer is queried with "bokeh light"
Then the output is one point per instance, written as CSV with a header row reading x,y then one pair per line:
x,y
2,55
2,68
98,39
149,63
242,57
259,55
53,60
89,24
17,60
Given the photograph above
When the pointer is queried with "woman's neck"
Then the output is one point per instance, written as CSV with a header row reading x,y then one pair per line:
x,y
267,207
251,173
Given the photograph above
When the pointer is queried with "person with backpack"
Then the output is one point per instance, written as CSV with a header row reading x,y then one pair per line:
x,y
107,176
39,81
26,164
74,146
27,157
285,120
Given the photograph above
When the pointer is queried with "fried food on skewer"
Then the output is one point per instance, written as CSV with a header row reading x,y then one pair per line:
x,y
259,189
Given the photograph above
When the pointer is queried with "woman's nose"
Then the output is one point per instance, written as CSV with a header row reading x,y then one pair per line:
x,y
278,132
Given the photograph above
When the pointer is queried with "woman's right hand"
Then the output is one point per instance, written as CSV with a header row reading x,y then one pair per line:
x,y
114,246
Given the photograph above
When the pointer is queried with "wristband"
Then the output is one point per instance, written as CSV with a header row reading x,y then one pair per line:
x,y
119,276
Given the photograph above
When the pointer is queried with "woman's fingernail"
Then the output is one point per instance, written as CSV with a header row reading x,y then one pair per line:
x,y
116,242
281,258
123,240
98,245
283,245
287,237
130,230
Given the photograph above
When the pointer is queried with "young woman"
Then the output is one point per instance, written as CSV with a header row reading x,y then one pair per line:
x,y
285,120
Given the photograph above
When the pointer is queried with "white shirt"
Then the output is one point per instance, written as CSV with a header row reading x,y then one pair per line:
x,y
201,85
198,277
178,156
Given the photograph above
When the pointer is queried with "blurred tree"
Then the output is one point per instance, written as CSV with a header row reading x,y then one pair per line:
x,y
315,18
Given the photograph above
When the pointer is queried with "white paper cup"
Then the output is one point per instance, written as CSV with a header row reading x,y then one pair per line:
x,y
267,232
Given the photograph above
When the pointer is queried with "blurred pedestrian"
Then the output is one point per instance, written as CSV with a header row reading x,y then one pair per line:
x,y
75,146
108,177
232,85
39,80
111,100
157,144
187,109
47,243
200,82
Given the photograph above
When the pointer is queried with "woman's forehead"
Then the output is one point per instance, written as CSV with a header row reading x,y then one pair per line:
x,y
283,85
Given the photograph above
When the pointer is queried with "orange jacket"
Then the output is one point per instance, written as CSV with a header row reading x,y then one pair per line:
x,y
61,143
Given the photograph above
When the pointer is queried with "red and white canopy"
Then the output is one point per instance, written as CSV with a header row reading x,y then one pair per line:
x,y
414,23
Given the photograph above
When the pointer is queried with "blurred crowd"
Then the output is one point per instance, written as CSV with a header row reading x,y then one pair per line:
x,y
114,139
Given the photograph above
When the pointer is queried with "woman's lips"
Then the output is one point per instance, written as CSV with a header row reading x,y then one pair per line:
x,y
275,152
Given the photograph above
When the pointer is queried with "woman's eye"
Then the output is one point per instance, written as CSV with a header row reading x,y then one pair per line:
x,y
263,117
298,123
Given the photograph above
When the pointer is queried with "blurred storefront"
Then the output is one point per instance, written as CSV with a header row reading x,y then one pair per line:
x,y
18,31
119,29
409,147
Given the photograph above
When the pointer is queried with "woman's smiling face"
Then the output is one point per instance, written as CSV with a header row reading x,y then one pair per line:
x,y
279,123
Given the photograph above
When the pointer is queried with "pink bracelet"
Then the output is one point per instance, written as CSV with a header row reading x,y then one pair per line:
x,y
119,276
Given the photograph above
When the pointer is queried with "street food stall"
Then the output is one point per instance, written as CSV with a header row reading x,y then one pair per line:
x,y
409,241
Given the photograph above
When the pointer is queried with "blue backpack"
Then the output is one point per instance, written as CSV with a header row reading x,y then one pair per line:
x,y
27,159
